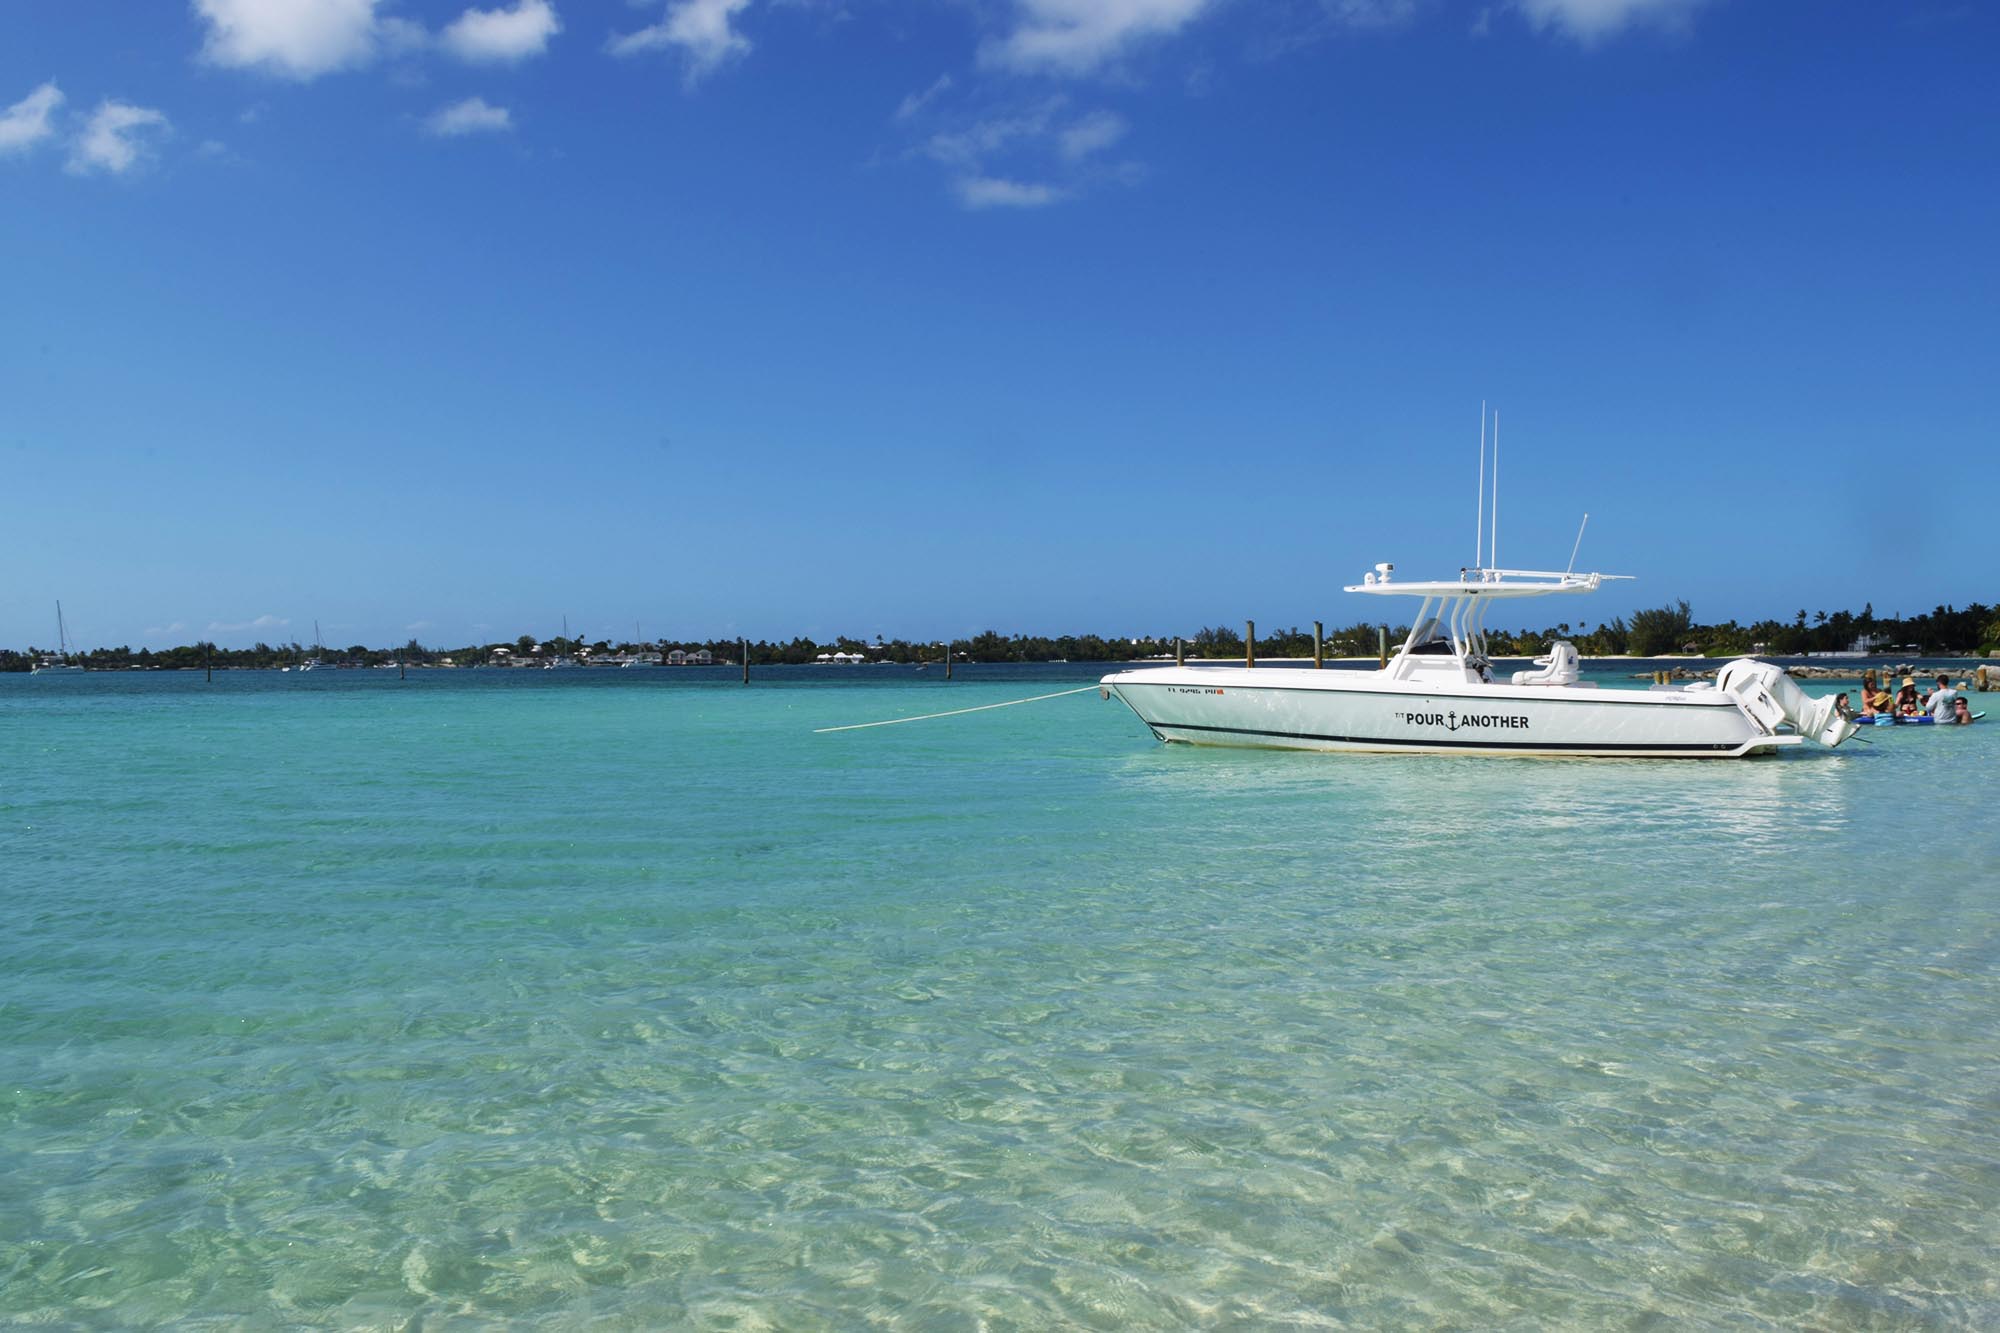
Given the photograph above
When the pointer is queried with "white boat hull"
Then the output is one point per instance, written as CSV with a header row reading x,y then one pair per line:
x,y
1296,709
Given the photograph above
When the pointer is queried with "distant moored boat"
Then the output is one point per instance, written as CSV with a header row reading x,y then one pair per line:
x,y
59,662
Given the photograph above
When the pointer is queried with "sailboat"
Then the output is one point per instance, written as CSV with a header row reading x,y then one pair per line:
x,y
561,661
318,648
60,661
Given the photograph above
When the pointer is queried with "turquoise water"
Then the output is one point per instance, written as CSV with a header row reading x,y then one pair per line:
x,y
501,997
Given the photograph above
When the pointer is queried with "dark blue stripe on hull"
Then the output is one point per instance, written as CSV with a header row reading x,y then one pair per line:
x,y
1722,748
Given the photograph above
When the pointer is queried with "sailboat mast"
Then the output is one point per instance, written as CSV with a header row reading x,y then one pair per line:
x,y
62,634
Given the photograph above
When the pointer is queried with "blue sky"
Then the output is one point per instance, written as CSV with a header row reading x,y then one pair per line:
x,y
822,316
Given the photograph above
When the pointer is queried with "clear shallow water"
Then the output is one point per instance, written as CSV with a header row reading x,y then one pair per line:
x,y
490,997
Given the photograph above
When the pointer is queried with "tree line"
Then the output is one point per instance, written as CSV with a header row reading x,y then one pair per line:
x,y
1672,629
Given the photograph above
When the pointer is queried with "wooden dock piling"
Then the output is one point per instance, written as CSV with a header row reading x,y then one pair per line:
x,y
743,651
1382,643
1249,644
1180,651
1319,646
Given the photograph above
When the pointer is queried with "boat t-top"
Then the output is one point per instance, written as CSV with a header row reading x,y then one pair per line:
x,y
1438,694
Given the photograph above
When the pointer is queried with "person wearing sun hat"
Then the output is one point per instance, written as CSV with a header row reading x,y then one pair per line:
x,y
1907,703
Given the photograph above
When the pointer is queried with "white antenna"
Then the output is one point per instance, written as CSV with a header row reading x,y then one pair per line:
x,y
1495,534
1479,509
1579,543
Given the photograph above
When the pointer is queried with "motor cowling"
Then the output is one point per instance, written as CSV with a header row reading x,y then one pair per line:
x,y
1771,697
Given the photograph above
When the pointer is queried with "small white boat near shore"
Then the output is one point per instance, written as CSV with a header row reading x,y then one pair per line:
x,y
1437,695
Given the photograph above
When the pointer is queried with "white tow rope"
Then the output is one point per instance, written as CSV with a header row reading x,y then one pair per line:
x,y
896,721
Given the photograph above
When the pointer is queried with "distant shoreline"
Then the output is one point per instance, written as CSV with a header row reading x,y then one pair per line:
x,y
1804,665
1974,630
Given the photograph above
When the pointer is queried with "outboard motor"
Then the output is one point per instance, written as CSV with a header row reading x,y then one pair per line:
x,y
1770,697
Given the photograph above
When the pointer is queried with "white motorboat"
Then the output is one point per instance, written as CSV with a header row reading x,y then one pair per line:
x,y
1438,695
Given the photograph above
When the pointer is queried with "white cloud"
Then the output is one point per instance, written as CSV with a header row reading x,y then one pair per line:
x,y
978,192
1590,21
699,27
158,631
1077,36
1096,131
964,147
916,102
110,139
415,625
502,35
29,121
475,115
298,39
1030,155
240,626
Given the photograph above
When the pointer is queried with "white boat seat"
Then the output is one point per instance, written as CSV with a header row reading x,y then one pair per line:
x,y
1562,666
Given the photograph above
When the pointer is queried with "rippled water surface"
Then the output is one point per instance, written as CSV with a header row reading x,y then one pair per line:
x,y
486,997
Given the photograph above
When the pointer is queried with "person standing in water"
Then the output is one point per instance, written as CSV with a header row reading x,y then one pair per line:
x,y
1938,702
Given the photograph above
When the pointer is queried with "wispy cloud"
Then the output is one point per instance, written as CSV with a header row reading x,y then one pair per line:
x,y
30,120
916,102
238,626
111,139
971,141
700,28
501,36
980,192
1079,36
297,39
1590,21
475,115
1094,133
1029,155
160,631
415,625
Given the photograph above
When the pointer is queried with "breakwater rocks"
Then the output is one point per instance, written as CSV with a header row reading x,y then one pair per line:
x,y
1989,678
